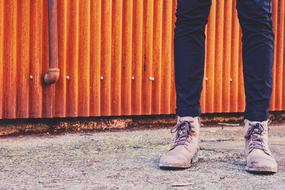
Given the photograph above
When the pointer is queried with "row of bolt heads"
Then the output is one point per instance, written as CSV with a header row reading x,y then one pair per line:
x,y
102,78
133,78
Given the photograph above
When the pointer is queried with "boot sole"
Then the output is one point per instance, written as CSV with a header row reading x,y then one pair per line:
x,y
175,167
261,171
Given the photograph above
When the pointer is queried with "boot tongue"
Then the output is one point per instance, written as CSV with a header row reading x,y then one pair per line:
x,y
182,132
249,125
255,138
255,130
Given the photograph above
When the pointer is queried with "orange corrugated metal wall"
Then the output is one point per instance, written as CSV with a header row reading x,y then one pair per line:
x,y
116,58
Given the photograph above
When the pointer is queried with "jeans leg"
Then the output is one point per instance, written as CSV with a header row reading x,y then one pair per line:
x,y
189,54
258,51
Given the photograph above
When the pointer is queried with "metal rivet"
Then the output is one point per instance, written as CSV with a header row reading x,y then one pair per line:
x,y
231,80
102,78
151,78
68,77
133,78
31,77
206,79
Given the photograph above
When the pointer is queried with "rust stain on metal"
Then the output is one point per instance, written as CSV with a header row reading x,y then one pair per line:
x,y
116,58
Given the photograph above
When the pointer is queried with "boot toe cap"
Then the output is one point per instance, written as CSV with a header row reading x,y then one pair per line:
x,y
174,161
265,164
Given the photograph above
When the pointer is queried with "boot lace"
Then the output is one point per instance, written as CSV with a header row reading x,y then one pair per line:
x,y
182,131
254,136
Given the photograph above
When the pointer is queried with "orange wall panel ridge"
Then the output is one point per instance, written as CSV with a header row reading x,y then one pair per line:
x,y
116,58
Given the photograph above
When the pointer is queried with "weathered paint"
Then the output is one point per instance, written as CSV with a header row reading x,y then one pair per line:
x,y
116,58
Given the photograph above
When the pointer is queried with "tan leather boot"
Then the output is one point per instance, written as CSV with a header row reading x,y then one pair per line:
x,y
258,156
185,147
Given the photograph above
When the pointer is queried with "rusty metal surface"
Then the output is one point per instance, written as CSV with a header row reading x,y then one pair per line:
x,y
116,58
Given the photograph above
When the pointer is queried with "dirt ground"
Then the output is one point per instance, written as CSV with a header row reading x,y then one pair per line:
x,y
129,160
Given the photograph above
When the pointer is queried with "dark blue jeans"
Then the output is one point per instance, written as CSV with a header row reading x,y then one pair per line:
x,y
255,17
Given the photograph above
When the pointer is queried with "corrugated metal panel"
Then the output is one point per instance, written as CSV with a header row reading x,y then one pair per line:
x,y
116,58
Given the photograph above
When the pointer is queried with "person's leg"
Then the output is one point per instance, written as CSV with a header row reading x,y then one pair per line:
x,y
258,51
192,16
189,54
